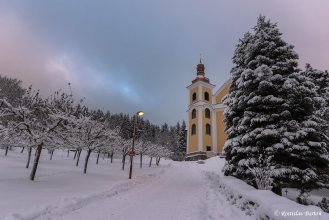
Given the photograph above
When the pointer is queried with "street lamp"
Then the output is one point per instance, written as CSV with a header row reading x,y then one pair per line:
x,y
132,152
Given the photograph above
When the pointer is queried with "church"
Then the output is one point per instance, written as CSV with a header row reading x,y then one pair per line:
x,y
206,129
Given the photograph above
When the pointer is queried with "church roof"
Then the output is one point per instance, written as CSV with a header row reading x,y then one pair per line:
x,y
229,81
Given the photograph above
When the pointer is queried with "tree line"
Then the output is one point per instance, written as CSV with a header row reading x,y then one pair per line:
x,y
30,121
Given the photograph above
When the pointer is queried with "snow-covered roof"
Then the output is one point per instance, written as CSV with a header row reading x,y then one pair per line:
x,y
229,81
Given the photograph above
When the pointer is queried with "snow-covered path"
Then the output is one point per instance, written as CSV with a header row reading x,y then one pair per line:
x,y
168,196
173,190
182,191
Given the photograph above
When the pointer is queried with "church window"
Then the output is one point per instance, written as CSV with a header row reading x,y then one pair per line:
x,y
207,113
193,130
208,129
206,96
193,113
194,96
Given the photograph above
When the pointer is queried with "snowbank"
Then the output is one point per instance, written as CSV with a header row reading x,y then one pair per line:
x,y
265,204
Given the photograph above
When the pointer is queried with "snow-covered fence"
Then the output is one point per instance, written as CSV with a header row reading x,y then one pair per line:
x,y
264,204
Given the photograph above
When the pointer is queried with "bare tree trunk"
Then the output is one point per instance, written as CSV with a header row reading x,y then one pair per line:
x,y
75,154
111,156
123,161
6,151
29,157
36,161
68,152
150,162
51,154
86,161
141,160
99,151
78,157
22,150
158,161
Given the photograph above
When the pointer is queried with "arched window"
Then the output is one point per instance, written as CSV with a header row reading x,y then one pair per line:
x,y
208,129
194,96
193,113
193,129
206,96
207,112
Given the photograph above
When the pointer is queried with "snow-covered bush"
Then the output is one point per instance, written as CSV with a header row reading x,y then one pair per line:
x,y
324,204
263,177
304,198
264,204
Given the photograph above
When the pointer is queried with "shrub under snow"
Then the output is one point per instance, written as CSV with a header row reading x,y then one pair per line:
x,y
264,204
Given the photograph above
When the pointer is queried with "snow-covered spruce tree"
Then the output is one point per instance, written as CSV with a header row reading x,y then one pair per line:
x,y
267,113
316,126
171,139
304,160
182,141
321,81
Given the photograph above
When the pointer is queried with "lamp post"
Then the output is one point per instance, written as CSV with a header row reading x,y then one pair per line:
x,y
132,152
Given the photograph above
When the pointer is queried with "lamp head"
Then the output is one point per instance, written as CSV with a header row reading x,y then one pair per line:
x,y
140,113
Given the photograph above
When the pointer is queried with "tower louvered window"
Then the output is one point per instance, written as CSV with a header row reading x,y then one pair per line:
x,y
194,97
206,96
208,129
207,113
193,113
193,129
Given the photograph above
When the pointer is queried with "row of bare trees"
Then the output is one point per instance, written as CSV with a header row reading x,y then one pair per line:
x,y
58,122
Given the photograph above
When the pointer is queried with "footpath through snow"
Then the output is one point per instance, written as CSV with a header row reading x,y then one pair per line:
x,y
182,192
171,191
175,190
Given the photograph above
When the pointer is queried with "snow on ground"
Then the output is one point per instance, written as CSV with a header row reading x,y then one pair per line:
x,y
315,195
173,190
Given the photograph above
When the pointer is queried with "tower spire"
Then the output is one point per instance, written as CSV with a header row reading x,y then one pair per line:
x,y
200,68
200,74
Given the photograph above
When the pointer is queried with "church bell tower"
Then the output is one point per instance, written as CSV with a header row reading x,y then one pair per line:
x,y
201,134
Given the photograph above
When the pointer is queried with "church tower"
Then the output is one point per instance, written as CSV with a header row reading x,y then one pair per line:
x,y
201,117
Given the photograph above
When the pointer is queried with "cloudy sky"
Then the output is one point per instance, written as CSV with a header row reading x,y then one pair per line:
x,y
126,56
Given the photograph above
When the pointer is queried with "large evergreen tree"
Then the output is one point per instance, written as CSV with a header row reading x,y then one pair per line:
x,y
269,114
321,81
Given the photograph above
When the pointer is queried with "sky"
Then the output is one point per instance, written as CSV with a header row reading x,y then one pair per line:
x,y
126,56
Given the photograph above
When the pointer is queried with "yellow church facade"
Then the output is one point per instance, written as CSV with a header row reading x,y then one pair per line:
x,y
206,128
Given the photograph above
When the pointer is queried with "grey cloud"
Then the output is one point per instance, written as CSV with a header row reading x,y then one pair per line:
x,y
130,55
